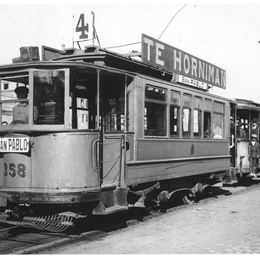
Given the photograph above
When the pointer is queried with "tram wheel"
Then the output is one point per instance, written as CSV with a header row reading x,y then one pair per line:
x,y
188,198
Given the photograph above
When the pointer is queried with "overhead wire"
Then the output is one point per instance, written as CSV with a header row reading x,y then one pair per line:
x,y
134,43
123,45
171,20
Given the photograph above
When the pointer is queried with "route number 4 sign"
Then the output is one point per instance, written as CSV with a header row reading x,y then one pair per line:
x,y
83,27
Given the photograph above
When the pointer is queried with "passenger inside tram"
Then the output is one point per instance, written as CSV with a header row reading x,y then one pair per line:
x,y
241,132
21,110
254,127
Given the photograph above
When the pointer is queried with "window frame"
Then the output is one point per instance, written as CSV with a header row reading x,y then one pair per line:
x,y
163,103
190,116
30,124
221,113
173,106
198,107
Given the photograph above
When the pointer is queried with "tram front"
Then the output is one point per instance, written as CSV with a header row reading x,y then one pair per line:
x,y
49,141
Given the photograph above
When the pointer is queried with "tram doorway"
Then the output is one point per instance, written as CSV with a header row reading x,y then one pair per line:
x,y
99,103
247,124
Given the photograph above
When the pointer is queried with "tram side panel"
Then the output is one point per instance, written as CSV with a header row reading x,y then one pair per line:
x,y
64,161
168,158
60,169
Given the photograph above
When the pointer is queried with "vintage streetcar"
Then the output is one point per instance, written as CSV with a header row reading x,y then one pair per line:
x,y
244,123
95,132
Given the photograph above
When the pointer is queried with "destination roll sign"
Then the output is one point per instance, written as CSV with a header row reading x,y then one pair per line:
x,y
178,62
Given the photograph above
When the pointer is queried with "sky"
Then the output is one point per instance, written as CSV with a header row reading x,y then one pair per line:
x,y
224,33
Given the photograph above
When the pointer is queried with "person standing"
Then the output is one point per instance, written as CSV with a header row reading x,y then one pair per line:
x,y
254,155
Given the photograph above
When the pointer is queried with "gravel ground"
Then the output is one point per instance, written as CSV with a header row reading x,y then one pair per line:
x,y
228,225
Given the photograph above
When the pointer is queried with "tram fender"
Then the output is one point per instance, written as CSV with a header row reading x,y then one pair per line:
x,y
112,201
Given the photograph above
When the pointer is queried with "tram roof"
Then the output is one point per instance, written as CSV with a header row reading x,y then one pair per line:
x,y
98,58
246,104
126,62
9,68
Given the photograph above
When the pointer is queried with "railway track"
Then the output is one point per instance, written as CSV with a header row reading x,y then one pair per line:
x,y
18,240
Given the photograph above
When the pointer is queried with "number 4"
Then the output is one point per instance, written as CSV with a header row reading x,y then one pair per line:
x,y
81,27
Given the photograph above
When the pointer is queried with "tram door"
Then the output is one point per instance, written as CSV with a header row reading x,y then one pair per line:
x,y
98,100
245,127
242,134
112,101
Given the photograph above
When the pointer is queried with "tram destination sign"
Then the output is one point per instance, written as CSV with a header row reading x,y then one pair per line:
x,y
176,61
14,144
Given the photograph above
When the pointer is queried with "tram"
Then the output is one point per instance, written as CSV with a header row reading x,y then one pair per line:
x,y
245,118
104,132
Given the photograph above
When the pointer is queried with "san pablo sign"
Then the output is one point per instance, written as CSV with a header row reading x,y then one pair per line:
x,y
186,68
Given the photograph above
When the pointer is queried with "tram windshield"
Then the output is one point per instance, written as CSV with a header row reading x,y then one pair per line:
x,y
14,98
48,97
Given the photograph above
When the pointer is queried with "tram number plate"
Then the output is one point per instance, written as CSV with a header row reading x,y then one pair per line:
x,y
14,144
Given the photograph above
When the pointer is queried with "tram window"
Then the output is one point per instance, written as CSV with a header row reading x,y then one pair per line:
x,y
83,98
218,126
242,124
218,120
186,119
176,98
14,98
155,111
155,119
174,120
186,115
208,104
114,117
48,97
187,100
155,93
175,113
218,107
82,113
197,122
207,124
198,105
254,124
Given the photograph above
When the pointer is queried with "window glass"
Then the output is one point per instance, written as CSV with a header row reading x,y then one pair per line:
x,y
14,98
207,124
207,104
48,101
197,122
155,93
218,126
176,98
242,124
82,113
198,103
187,100
174,121
218,107
114,118
186,122
155,119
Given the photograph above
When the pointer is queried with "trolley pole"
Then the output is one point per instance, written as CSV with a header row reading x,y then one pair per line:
x,y
93,28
